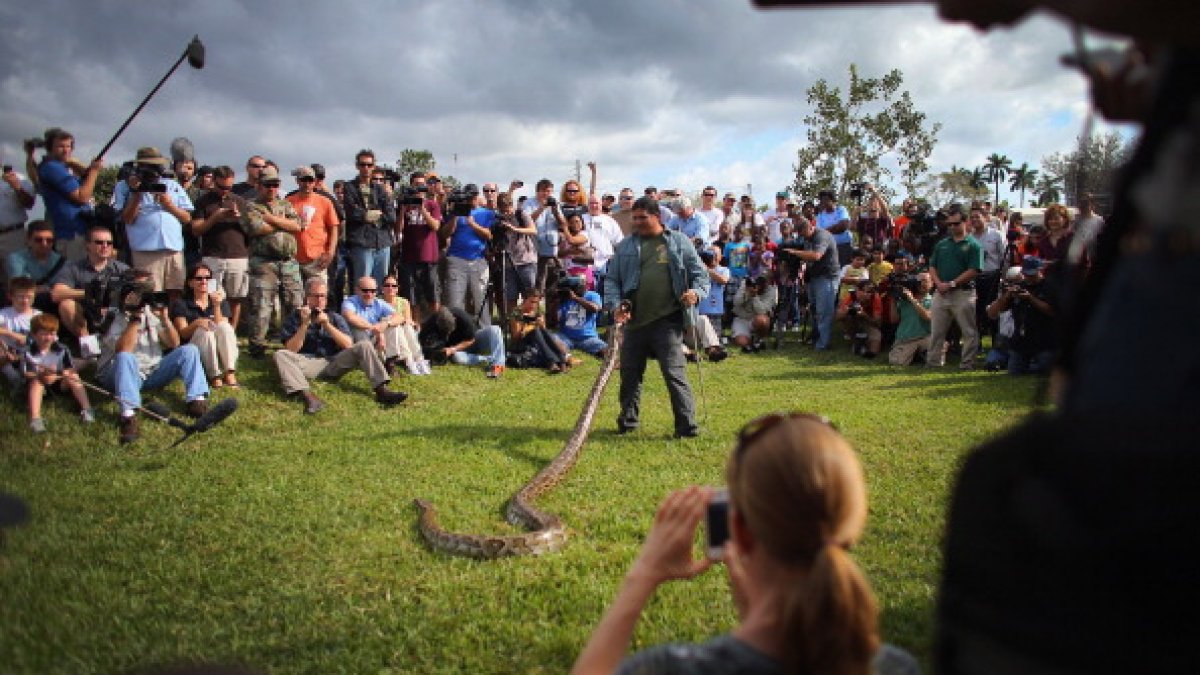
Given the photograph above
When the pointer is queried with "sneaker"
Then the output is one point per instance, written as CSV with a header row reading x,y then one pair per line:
x,y
717,355
555,369
386,396
495,371
414,367
87,415
197,408
426,367
37,426
129,429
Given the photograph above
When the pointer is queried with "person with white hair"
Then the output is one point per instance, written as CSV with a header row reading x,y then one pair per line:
x,y
688,221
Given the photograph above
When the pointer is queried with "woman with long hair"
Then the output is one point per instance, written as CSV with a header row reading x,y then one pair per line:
x,y
201,317
797,503
1057,242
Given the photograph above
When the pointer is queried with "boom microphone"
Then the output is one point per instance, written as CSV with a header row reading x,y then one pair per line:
x,y
214,416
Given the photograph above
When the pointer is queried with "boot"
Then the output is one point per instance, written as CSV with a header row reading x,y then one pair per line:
x,y
387,397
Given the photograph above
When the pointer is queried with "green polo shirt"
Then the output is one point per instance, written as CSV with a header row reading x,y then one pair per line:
x,y
951,258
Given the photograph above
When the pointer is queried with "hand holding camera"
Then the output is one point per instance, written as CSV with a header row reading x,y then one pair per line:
x,y
305,315
668,551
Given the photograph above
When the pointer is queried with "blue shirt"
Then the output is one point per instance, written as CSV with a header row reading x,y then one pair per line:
x,y
826,220
55,182
466,243
372,313
547,229
694,227
155,228
575,322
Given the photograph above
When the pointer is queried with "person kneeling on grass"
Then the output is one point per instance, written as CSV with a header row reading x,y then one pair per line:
x,y
797,502
450,334
317,343
47,363
531,345
132,357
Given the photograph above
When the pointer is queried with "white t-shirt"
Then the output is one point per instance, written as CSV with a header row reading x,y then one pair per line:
x,y
714,217
603,234
17,323
774,219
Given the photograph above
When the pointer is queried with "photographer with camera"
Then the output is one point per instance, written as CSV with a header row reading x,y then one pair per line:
x,y
16,198
370,221
317,343
821,274
217,220
1033,344
469,229
543,211
155,209
752,308
955,263
67,199
578,309
910,310
141,350
82,288
861,314
514,238
419,219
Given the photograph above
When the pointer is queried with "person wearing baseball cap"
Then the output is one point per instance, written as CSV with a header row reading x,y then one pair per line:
x,y
155,209
1033,344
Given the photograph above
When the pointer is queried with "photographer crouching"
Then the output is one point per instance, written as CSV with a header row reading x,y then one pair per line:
x,y
910,307
132,358
861,315
1032,347
752,308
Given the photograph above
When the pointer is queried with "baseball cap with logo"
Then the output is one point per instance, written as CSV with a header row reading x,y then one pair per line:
x,y
304,172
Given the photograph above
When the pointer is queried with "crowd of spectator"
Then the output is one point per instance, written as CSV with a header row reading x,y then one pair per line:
x,y
185,259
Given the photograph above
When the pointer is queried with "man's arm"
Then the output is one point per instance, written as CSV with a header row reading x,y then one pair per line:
x,y
340,338
167,335
592,181
83,193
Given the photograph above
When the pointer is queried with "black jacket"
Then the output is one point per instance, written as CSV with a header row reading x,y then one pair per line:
x,y
358,231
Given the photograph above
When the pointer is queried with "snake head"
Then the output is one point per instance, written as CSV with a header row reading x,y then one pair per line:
x,y
422,505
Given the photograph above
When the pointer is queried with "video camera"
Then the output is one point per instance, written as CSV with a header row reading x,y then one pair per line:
x,y
149,179
570,211
897,282
128,291
568,284
462,200
413,195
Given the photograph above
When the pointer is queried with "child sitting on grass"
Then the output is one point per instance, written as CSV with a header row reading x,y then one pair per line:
x,y
47,363
14,329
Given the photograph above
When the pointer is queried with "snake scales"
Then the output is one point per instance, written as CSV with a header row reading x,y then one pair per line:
x,y
547,532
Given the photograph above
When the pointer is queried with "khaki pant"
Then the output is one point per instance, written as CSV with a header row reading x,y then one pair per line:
x,y
296,369
703,330
957,305
218,349
270,279
166,268
903,353
399,342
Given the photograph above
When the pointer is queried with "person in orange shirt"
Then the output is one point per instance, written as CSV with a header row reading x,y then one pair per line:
x,y
318,237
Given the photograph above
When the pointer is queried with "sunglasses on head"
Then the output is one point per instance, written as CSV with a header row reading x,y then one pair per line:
x,y
755,428
271,184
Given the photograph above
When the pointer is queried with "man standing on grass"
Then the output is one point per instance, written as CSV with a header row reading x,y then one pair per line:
x,y
956,261
659,272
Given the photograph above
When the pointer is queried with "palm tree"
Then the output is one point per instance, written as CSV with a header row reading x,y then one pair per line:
x,y
1048,189
1022,177
997,168
978,179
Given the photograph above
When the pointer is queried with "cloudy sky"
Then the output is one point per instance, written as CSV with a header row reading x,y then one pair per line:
x,y
664,92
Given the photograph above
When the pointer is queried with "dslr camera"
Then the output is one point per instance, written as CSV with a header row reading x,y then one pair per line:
x,y
897,282
462,200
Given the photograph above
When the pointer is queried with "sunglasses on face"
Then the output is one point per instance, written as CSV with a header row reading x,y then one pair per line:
x,y
368,290
489,190
201,278
306,179
572,190
391,285
364,164
256,166
270,185
103,242
43,240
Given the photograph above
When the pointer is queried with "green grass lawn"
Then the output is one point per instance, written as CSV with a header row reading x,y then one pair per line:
x,y
288,542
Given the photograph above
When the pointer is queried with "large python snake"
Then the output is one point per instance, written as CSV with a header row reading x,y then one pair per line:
x,y
547,532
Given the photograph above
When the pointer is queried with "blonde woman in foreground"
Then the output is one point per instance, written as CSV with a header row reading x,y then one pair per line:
x,y
797,502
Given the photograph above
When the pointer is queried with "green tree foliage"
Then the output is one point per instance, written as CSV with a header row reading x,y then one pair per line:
x,y
106,182
851,133
1091,167
1022,178
1048,189
414,160
958,184
996,168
